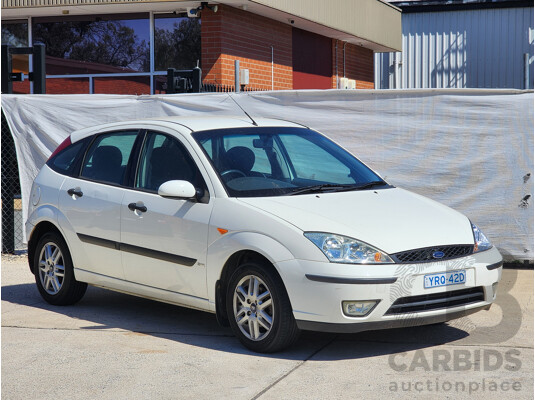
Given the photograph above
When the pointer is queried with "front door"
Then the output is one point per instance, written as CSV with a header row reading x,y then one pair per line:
x,y
164,240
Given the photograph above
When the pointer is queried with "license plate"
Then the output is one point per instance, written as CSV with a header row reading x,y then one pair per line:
x,y
444,279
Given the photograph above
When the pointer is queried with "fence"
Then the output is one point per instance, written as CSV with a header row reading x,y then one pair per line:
x,y
12,222
216,88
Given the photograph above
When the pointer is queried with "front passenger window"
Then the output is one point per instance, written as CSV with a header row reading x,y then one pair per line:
x,y
164,159
107,157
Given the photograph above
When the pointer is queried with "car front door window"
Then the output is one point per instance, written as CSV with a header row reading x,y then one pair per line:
x,y
164,159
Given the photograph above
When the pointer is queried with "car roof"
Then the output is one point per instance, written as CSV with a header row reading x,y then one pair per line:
x,y
193,124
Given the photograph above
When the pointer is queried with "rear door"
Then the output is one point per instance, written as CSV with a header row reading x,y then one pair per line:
x,y
164,240
91,203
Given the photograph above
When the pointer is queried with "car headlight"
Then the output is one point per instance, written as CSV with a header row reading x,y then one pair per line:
x,y
481,243
343,249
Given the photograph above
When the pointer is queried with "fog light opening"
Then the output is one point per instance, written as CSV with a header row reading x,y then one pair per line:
x,y
358,308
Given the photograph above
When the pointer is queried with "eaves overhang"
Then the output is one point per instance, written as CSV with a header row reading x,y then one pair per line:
x,y
373,24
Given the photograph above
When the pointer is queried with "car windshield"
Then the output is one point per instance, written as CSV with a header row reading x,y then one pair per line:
x,y
276,161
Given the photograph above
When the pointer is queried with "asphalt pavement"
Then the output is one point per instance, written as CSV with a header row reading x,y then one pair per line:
x,y
115,346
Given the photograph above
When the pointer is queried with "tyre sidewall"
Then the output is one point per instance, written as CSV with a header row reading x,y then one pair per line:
x,y
64,295
278,295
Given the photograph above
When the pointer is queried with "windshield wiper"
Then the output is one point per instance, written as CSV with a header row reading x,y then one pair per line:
x,y
326,187
330,187
369,185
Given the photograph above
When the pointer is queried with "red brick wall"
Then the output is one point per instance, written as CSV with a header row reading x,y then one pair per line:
x,y
119,85
122,85
67,86
21,87
233,34
358,64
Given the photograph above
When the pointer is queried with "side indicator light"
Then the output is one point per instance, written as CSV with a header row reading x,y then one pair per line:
x,y
222,231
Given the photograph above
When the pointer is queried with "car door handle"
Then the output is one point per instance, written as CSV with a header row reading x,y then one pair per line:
x,y
75,192
134,207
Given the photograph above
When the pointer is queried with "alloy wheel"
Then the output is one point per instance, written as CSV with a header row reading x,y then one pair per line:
x,y
253,307
51,268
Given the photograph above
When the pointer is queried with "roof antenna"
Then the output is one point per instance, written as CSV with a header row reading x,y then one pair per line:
x,y
245,112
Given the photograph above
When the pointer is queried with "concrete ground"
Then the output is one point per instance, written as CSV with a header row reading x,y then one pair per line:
x,y
114,346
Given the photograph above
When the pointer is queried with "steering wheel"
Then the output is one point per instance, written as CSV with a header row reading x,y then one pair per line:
x,y
233,171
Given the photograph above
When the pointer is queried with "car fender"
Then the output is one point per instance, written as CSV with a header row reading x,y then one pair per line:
x,y
40,214
51,214
222,249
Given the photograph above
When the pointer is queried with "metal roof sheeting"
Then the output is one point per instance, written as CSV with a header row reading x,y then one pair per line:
x,y
460,49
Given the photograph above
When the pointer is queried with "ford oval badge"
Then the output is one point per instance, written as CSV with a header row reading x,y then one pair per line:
x,y
438,254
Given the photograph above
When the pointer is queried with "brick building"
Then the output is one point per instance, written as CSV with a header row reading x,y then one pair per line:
x,y
125,47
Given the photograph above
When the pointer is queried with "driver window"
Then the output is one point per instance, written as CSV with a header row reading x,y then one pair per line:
x,y
164,158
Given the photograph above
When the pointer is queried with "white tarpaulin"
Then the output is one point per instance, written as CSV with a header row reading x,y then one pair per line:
x,y
469,149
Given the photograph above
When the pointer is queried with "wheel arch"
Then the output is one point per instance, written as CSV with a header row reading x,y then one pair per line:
x,y
38,231
232,264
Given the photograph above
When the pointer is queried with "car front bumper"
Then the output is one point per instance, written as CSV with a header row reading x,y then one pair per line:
x,y
317,290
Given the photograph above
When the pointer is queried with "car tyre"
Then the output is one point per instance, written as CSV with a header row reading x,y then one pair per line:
x,y
54,273
259,310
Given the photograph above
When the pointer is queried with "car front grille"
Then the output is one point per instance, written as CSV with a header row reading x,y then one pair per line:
x,y
427,254
437,301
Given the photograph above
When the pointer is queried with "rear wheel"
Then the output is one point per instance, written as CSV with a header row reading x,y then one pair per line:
x,y
54,274
259,309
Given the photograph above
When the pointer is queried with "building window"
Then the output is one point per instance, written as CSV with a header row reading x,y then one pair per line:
x,y
15,33
107,53
177,41
177,44
115,43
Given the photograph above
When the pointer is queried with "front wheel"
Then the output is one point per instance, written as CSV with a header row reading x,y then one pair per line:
x,y
259,309
54,274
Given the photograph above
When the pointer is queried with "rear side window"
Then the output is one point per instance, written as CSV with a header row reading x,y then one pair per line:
x,y
107,158
65,161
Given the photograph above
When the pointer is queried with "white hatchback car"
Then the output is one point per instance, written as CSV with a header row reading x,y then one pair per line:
x,y
268,224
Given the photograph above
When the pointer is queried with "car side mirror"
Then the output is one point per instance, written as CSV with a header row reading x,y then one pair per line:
x,y
177,190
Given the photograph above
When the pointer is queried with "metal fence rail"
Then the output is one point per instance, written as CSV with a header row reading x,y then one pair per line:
x,y
12,223
217,88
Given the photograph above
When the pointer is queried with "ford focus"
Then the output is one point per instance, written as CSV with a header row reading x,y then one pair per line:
x,y
268,224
